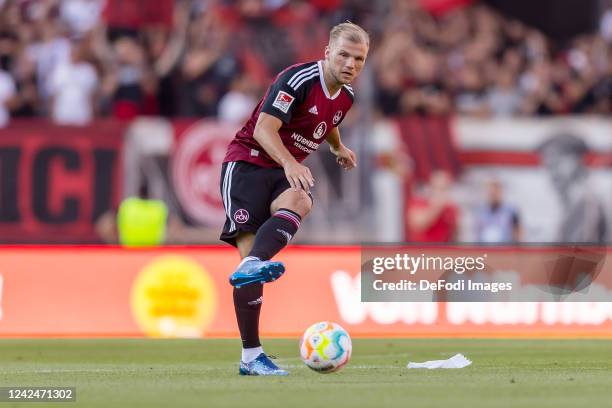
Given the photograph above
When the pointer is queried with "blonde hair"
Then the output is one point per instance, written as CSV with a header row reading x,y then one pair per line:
x,y
351,32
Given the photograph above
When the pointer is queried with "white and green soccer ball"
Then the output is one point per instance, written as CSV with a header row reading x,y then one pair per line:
x,y
325,347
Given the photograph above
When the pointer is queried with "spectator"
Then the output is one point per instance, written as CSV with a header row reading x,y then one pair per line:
x,y
7,94
237,104
72,88
8,48
81,16
606,25
428,93
27,102
496,221
50,50
207,68
503,99
432,216
471,96
390,77
140,221
129,80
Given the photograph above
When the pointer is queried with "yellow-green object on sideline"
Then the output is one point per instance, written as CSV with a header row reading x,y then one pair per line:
x,y
142,222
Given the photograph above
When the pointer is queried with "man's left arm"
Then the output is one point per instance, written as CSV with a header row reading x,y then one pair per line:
x,y
345,157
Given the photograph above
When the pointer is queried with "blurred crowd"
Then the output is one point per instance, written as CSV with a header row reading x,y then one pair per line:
x,y
74,60
474,61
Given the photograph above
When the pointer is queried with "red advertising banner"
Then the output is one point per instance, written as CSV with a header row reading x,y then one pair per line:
x,y
55,181
184,292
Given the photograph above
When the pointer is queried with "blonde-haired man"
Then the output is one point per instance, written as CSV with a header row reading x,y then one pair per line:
x,y
264,185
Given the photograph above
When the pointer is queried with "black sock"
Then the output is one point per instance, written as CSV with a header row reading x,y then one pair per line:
x,y
247,304
275,234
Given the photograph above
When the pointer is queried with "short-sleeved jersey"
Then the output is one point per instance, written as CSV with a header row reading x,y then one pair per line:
x,y
299,98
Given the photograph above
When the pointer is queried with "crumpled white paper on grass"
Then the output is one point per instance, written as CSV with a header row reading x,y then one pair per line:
x,y
456,361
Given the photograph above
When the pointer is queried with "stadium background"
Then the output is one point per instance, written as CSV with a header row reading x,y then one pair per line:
x,y
97,98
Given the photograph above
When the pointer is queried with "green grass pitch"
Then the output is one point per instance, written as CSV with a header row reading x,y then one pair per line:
x,y
203,373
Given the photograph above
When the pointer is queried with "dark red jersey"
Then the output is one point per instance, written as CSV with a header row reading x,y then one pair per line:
x,y
299,98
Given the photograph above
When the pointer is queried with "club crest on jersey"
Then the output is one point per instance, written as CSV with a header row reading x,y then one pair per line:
x,y
320,130
241,216
337,117
283,101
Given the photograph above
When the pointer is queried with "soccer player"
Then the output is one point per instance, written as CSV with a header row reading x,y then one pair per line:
x,y
266,189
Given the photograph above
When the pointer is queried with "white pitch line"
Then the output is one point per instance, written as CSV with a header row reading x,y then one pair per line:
x,y
109,370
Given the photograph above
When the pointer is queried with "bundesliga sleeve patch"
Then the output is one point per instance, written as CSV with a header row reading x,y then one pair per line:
x,y
283,101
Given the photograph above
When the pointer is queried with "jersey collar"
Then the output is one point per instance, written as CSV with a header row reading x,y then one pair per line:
x,y
322,80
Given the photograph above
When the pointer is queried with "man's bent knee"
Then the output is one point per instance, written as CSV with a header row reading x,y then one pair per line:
x,y
297,201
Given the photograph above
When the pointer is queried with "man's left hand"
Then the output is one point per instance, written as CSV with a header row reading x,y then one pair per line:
x,y
345,157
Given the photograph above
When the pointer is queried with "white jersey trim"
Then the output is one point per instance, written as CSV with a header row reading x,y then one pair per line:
x,y
304,79
322,80
300,74
227,186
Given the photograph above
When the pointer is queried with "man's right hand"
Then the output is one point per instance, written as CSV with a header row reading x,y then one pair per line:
x,y
299,176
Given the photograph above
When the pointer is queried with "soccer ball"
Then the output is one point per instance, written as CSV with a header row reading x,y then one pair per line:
x,y
325,347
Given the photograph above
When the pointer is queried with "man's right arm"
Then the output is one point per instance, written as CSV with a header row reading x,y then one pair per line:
x,y
266,134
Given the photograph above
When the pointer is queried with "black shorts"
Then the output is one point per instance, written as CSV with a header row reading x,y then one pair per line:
x,y
248,191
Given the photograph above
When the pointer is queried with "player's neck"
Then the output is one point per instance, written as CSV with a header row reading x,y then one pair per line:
x,y
331,83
